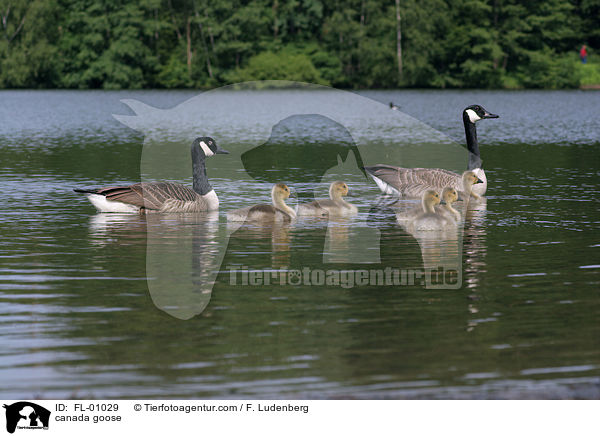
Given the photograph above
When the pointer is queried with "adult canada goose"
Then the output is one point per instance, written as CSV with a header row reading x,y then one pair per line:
x,y
394,107
412,182
276,212
163,196
334,205
429,218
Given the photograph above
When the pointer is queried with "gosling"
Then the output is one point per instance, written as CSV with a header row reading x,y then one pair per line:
x,y
278,211
429,218
449,196
335,205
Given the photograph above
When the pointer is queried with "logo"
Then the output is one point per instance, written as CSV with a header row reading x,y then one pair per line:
x,y
26,415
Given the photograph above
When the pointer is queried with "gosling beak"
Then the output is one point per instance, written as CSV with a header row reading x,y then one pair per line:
x,y
293,194
442,201
478,181
221,150
489,115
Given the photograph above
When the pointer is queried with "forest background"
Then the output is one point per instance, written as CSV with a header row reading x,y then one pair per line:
x,y
358,44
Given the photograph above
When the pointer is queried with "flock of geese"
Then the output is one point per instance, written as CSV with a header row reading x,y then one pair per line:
x,y
432,185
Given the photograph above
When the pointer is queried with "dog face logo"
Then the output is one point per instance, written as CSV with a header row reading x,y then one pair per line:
x,y
26,415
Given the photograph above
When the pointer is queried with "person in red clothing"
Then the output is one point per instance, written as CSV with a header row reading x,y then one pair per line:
x,y
583,54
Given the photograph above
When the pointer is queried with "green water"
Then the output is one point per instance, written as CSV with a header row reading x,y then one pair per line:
x,y
77,318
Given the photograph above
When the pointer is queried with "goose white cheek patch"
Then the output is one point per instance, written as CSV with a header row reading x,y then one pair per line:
x,y
472,115
207,151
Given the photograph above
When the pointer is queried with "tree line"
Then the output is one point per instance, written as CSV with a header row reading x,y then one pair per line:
x,y
118,44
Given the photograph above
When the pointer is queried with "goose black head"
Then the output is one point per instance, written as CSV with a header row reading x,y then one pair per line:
x,y
207,147
475,113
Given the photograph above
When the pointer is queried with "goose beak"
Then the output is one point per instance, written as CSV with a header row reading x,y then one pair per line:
x,y
442,201
489,115
293,194
478,181
221,150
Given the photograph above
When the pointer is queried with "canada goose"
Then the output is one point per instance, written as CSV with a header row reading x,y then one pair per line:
x,y
429,218
334,205
276,212
412,182
394,107
163,196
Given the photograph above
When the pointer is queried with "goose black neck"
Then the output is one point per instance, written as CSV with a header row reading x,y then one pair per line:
x,y
472,144
201,184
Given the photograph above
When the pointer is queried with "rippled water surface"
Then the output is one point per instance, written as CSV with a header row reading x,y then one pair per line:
x,y
77,319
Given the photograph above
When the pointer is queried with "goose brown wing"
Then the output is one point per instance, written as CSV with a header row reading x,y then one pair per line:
x,y
412,182
148,195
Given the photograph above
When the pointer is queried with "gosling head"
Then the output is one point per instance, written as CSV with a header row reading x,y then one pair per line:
x,y
338,189
470,178
449,195
475,112
431,198
280,190
205,146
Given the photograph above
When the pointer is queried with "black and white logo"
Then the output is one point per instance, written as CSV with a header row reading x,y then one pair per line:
x,y
26,415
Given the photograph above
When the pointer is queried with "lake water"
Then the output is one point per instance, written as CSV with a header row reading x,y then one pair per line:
x,y
78,318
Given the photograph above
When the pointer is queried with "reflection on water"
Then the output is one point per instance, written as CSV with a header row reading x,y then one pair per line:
x,y
349,242
440,248
271,239
183,258
79,319
474,242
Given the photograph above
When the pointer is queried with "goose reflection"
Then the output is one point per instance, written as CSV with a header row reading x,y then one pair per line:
x,y
474,252
182,261
475,246
182,254
253,241
439,252
436,234
340,241
116,228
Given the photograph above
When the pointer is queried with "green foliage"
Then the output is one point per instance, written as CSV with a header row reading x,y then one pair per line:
x,y
277,66
174,74
115,44
103,45
28,59
588,73
547,70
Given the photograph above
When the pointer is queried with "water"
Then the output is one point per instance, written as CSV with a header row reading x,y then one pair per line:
x,y
78,321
